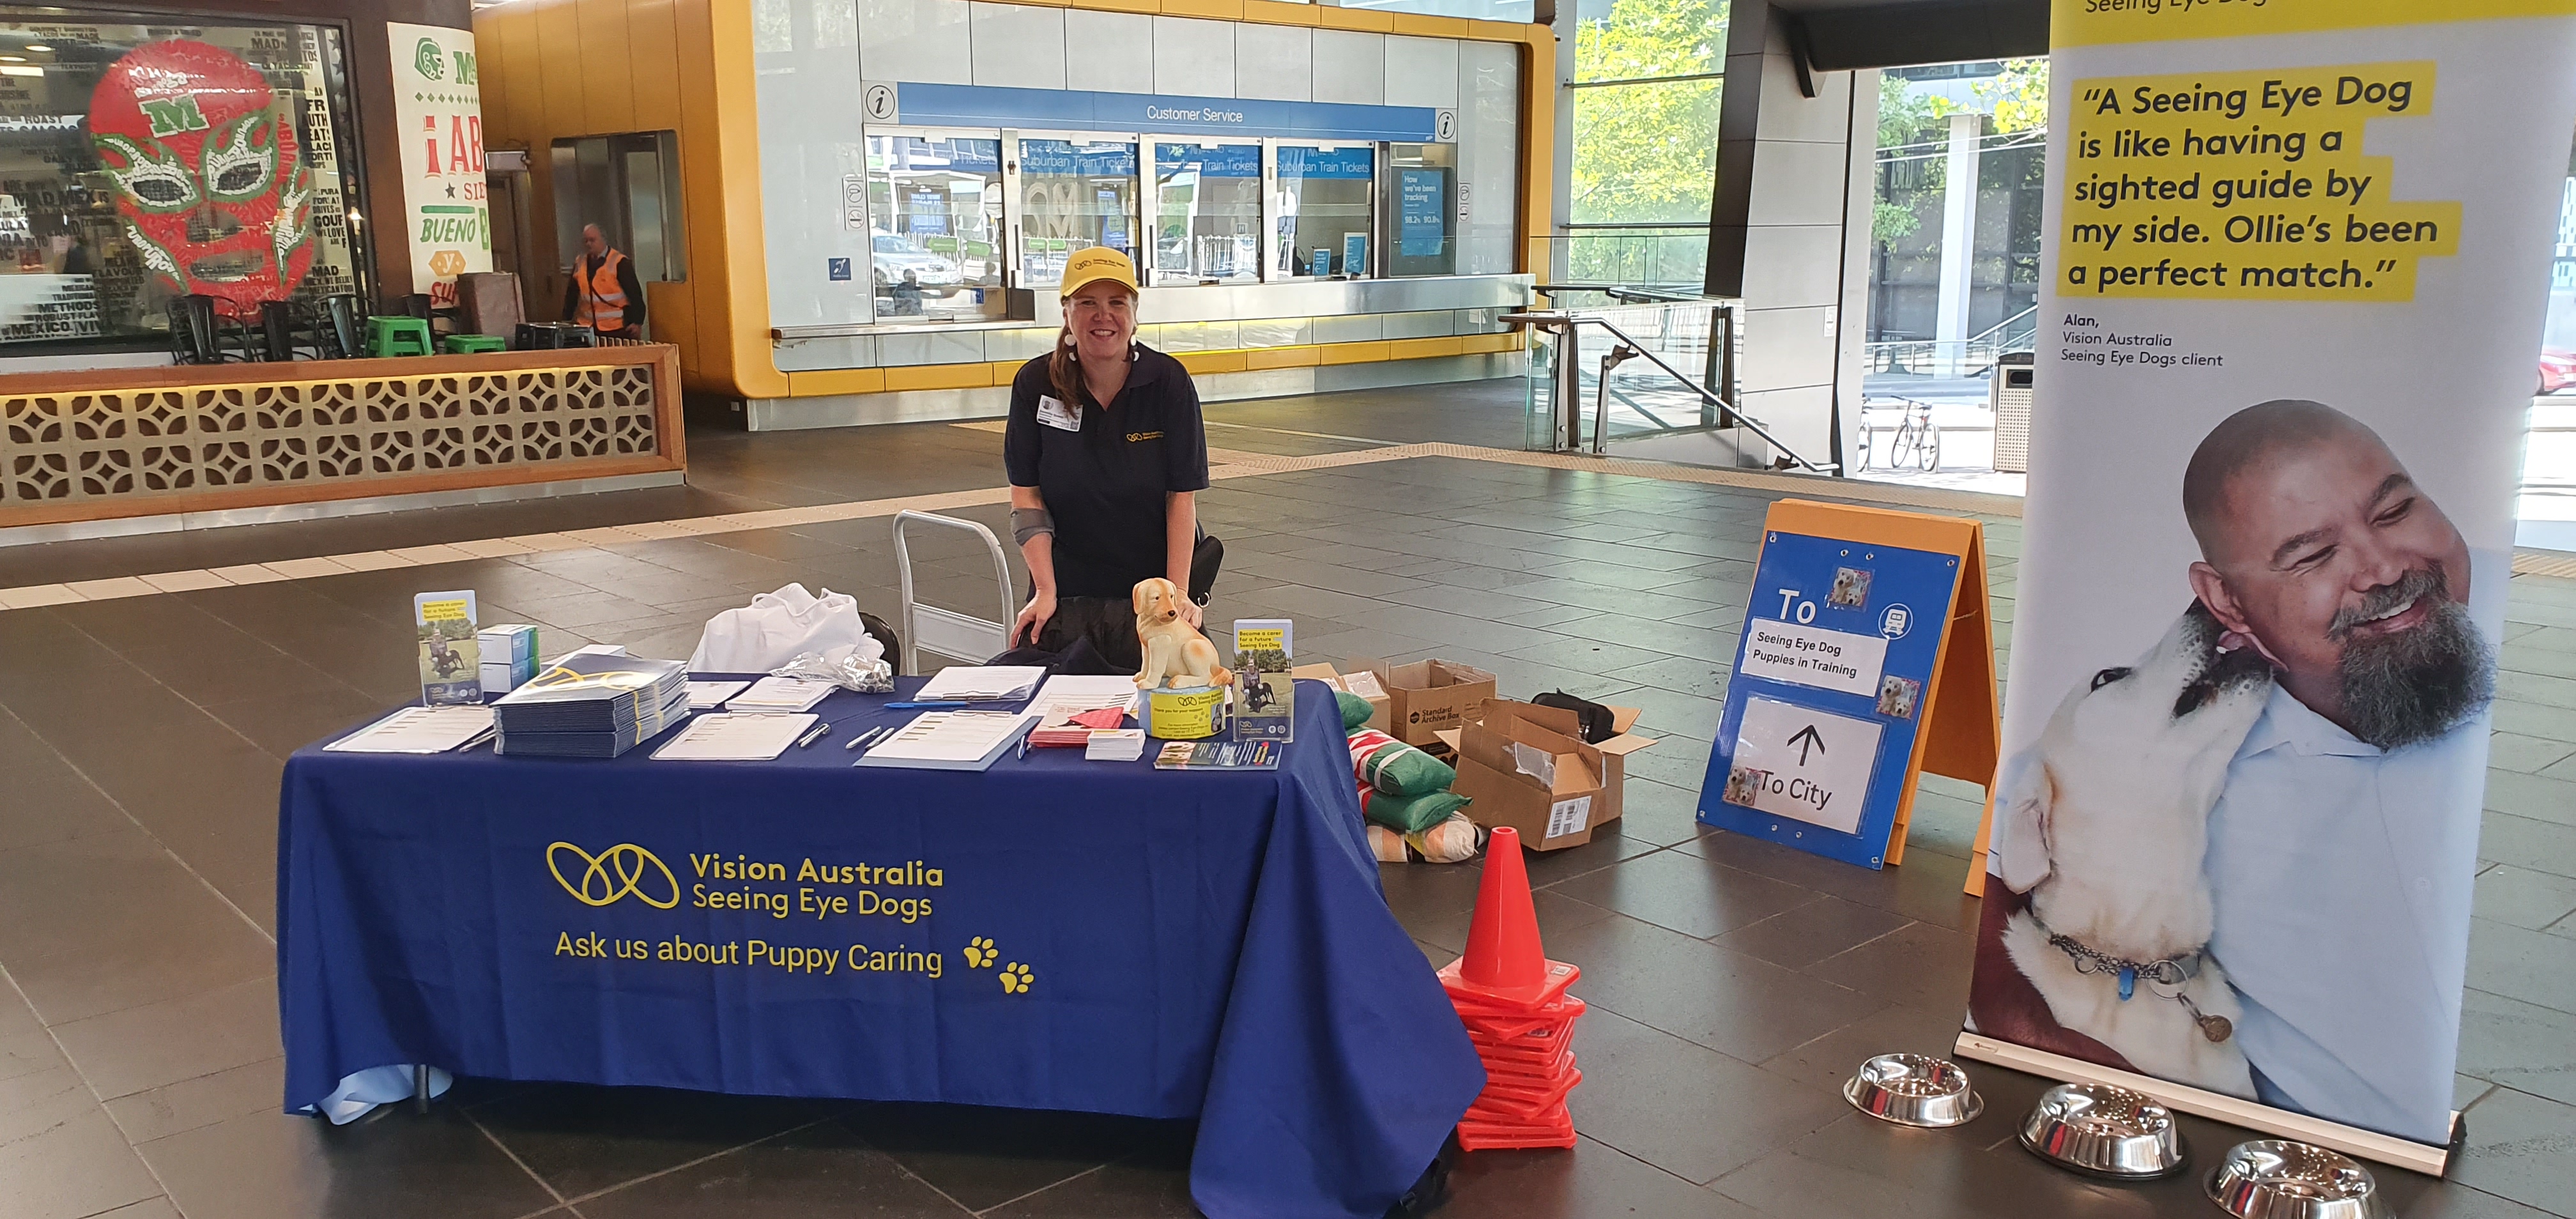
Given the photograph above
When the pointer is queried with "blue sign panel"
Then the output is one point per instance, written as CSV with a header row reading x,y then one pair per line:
x,y
1296,162
1066,159
1420,231
1831,682
1222,161
837,268
1070,109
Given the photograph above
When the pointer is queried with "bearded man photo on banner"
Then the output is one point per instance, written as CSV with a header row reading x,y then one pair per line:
x,y
2322,703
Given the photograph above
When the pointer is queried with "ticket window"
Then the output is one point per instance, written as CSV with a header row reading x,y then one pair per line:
x,y
934,221
1324,203
1421,217
1207,213
1074,193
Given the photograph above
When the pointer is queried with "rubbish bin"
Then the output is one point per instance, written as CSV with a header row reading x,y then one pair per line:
x,y
2009,394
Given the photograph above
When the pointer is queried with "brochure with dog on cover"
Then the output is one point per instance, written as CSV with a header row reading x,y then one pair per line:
x,y
2261,593
1265,696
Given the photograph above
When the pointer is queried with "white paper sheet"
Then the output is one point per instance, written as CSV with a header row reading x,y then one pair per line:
x,y
418,730
780,694
981,683
735,738
958,740
1065,696
709,695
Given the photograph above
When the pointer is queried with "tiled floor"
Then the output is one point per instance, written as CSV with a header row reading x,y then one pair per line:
x,y
1732,984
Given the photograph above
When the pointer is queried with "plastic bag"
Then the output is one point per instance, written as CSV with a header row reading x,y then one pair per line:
x,y
777,627
847,666
1398,769
1451,841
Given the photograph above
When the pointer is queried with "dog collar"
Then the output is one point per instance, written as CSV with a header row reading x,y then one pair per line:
x,y
2173,971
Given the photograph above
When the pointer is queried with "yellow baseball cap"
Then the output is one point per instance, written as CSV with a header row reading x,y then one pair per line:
x,y
1098,263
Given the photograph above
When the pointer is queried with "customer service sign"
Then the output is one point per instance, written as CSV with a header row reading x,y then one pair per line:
x,y
2297,257
438,122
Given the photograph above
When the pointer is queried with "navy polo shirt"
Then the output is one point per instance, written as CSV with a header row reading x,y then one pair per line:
x,y
1105,483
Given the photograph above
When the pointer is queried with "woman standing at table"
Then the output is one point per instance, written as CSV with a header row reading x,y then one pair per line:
x,y
1106,456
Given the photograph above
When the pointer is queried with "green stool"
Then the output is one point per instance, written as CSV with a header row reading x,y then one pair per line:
x,y
397,336
467,344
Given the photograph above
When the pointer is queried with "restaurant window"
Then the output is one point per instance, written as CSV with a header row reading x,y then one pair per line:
x,y
1207,213
1326,200
1421,238
935,226
150,159
1074,193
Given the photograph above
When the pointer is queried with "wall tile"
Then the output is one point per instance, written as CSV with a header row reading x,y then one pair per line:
x,y
1019,45
1421,71
1194,57
1350,66
922,40
1274,62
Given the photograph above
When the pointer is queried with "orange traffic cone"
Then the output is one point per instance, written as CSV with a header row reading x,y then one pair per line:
x,y
1506,969
1512,1000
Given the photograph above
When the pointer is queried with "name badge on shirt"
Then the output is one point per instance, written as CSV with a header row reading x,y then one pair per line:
x,y
1056,414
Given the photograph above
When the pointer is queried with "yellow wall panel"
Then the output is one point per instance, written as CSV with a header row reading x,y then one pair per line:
x,y
1538,150
939,376
721,186
1006,371
1430,27
1122,6
1282,357
1332,18
837,381
559,53
1418,349
1222,10
1501,31
1274,12
607,71
674,320
1205,363
654,37
1355,353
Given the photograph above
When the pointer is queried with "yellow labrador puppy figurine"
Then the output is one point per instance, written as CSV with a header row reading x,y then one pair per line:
x,y
1172,648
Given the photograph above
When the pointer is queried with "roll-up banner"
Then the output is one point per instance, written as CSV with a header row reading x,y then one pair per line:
x,y
2297,260
438,119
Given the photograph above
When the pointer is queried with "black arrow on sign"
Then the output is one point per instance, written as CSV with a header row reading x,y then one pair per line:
x,y
1810,740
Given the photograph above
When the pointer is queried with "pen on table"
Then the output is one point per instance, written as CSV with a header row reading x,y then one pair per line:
x,y
942,704
813,735
865,738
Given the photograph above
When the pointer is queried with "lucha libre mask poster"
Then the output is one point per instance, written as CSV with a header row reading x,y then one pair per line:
x,y
438,124
212,183
2292,293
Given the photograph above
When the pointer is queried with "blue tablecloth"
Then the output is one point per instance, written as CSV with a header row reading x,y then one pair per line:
x,y
1161,944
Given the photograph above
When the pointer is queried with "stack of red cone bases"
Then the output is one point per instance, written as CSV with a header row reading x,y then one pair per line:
x,y
1517,1013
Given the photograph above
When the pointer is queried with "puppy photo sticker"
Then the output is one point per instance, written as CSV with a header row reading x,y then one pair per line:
x,y
1897,696
1850,590
1744,785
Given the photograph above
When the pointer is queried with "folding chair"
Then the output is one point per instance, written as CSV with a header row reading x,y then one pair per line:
x,y
928,628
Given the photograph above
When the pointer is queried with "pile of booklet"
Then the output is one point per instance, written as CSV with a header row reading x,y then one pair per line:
x,y
592,706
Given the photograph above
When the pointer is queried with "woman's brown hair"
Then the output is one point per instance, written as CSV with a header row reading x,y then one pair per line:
x,y
1064,372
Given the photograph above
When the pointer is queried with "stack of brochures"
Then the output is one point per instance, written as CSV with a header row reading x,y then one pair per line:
x,y
592,706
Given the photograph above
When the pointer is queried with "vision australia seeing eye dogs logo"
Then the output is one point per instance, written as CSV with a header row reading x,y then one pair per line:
x,y
608,877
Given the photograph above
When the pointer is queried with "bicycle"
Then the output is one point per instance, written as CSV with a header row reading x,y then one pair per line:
x,y
1917,439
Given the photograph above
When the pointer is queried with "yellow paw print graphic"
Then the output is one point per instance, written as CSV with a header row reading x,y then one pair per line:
x,y
980,954
1016,979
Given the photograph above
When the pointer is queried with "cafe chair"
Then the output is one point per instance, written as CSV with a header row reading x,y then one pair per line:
x,y
946,632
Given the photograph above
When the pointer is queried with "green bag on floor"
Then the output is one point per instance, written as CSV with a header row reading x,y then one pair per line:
x,y
1409,814
1398,769
1355,710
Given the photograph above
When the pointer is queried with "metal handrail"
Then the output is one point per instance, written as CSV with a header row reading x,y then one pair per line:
x,y
1567,325
1619,292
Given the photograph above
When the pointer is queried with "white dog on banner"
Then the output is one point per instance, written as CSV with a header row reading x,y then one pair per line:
x,y
2107,829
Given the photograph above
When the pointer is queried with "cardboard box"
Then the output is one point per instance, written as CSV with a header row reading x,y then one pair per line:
x,y
1614,752
1324,673
1537,781
1428,695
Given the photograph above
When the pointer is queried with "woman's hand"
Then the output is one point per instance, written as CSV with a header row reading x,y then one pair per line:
x,y
1194,613
1033,617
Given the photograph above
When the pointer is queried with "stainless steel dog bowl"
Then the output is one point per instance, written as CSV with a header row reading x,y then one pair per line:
x,y
1914,1090
2104,1131
2279,1179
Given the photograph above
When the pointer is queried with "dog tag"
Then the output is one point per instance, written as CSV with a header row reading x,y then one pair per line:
x,y
2216,1028
2128,982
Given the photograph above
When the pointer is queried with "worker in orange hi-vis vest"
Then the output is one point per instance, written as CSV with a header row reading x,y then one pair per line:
x,y
603,293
